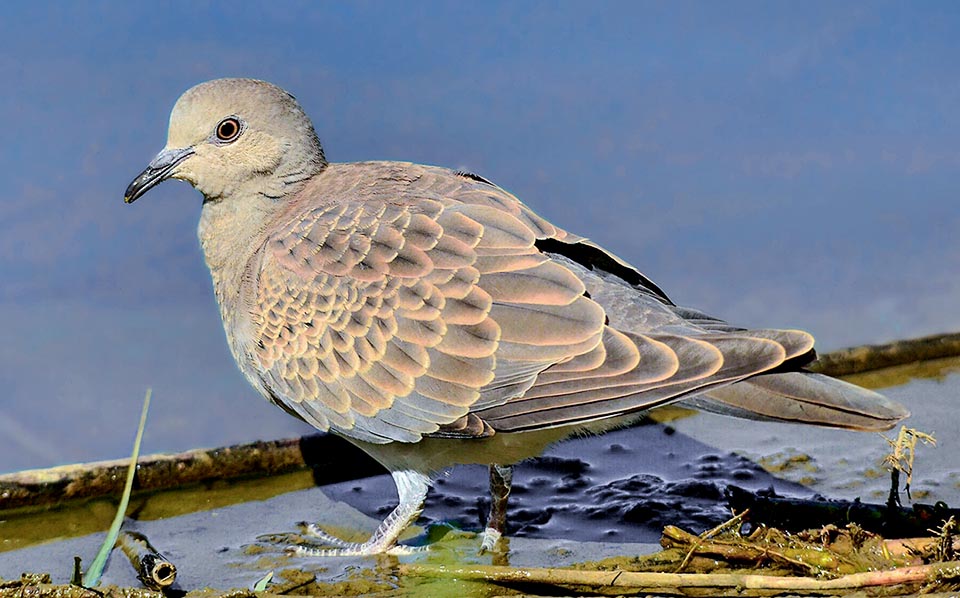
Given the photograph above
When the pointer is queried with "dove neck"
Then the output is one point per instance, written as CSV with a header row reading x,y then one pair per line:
x,y
231,232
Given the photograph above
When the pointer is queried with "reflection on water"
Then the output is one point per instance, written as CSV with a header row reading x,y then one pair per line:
x,y
934,369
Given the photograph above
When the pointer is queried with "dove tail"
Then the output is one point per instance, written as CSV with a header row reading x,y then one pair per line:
x,y
803,397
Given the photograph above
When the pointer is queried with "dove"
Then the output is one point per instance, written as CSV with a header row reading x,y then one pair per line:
x,y
431,318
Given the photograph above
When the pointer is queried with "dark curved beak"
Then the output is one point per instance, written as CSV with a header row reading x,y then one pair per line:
x,y
156,172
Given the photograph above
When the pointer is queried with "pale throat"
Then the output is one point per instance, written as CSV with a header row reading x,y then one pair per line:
x,y
231,231
233,226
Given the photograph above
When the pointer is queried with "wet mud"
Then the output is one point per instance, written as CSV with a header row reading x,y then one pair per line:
x,y
623,486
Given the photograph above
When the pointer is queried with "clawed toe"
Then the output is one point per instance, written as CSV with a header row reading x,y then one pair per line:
x,y
313,531
313,541
490,538
352,549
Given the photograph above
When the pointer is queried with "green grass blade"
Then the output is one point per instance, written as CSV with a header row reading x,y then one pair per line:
x,y
92,577
263,582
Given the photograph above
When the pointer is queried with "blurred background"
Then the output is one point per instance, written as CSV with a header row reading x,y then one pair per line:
x,y
786,164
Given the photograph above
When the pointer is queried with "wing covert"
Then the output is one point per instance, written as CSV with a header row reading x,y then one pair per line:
x,y
393,320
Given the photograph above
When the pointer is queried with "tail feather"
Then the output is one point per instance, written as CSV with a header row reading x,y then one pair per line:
x,y
803,397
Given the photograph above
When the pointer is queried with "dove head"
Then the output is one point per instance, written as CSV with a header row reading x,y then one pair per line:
x,y
235,136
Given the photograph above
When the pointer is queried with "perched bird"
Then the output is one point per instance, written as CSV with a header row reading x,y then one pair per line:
x,y
432,319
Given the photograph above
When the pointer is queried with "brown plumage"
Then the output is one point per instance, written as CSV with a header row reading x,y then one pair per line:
x,y
432,318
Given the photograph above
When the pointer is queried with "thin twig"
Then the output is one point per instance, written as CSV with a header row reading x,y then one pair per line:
x,y
735,520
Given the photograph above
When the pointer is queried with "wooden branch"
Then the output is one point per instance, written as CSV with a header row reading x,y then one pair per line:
x,y
873,357
628,579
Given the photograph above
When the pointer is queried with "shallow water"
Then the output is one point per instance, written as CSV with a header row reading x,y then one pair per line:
x,y
217,547
606,495
623,486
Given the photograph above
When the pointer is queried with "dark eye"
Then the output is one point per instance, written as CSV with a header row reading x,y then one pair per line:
x,y
228,129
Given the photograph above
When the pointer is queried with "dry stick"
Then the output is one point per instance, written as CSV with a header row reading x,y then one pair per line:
x,y
629,579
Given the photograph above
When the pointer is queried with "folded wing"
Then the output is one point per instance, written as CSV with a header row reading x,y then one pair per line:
x,y
448,308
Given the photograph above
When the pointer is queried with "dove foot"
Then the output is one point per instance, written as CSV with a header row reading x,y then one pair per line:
x,y
501,478
412,488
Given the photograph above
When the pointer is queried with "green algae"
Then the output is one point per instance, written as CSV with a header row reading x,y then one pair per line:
x,y
27,527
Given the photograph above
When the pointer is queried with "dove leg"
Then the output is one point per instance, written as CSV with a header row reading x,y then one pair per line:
x,y
412,487
501,477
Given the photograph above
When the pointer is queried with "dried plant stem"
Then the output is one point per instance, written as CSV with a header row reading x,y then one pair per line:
x,y
812,560
153,569
901,458
627,579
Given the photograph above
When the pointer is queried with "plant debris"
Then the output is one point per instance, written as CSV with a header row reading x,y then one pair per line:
x,y
153,569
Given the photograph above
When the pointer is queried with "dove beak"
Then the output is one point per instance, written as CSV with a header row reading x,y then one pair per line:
x,y
159,169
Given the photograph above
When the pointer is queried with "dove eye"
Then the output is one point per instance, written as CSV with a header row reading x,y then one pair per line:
x,y
228,129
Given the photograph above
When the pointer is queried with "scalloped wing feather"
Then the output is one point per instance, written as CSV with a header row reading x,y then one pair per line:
x,y
371,317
